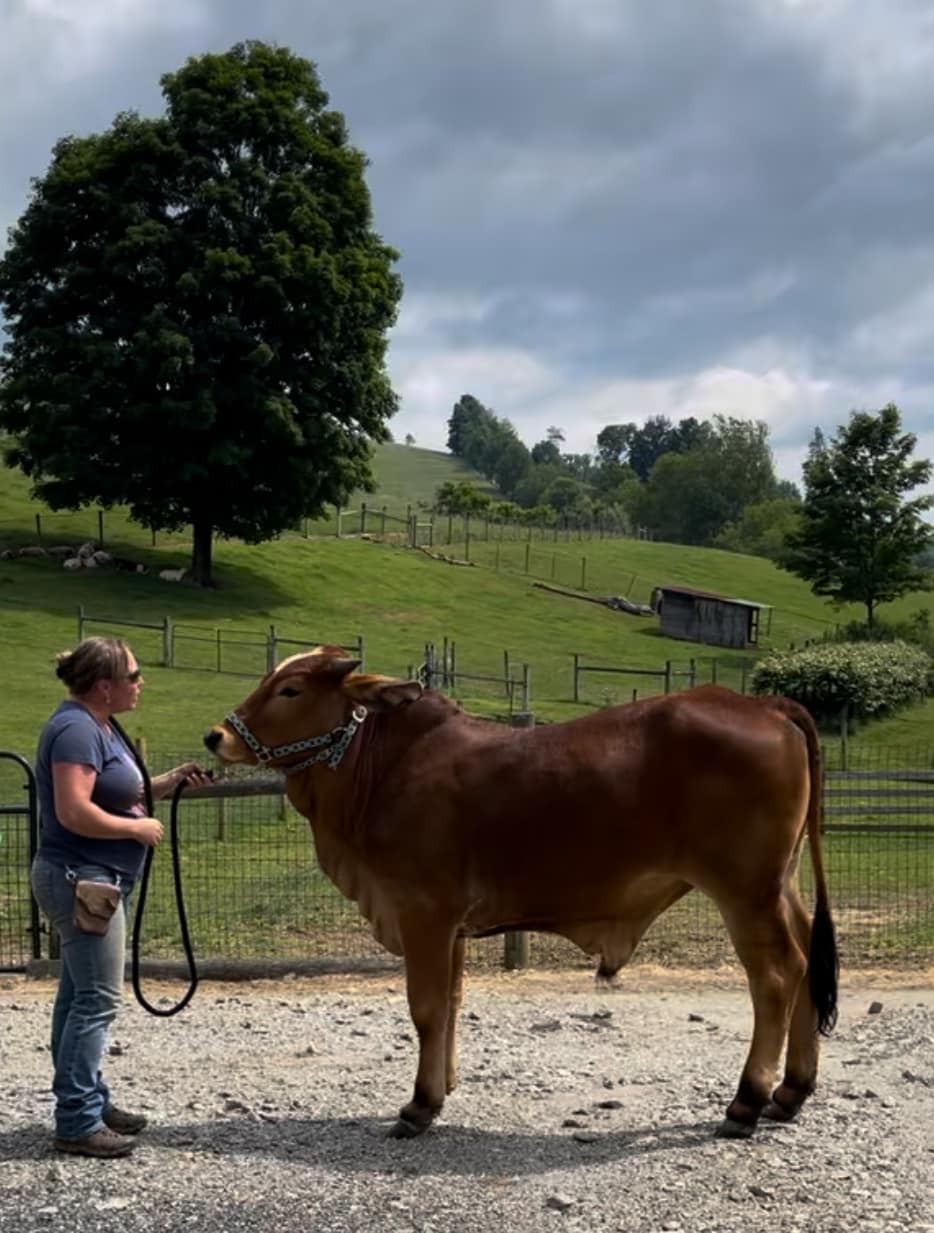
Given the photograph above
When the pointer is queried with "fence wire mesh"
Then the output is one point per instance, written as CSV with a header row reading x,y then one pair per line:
x,y
254,889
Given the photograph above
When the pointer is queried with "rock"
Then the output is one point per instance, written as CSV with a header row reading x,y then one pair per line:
x,y
559,1202
547,1025
609,1104
586,1136
692,1018
875,1008
759,1193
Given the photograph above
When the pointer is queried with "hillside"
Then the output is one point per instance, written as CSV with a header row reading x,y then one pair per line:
x,y
324,589
404,474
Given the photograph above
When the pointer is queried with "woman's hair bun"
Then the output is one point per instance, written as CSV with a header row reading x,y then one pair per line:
x,y
62,662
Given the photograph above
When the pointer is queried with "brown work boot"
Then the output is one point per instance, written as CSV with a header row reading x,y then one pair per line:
x,y
124,1123
105,1143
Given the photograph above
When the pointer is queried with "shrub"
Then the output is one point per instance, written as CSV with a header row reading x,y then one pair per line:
x,y
871,679
915,628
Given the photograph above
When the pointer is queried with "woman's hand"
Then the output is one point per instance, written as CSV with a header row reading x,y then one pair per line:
x,y
191,773
146,830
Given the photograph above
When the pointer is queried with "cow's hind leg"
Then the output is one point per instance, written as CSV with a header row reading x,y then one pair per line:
x,y
775,963
454,1006
803,1039
428,961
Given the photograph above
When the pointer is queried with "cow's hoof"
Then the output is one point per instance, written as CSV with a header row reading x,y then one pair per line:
x,y
402,1128
778,1113
731,1129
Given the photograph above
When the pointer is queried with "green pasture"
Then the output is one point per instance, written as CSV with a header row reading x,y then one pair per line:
x,y
325,589
257,889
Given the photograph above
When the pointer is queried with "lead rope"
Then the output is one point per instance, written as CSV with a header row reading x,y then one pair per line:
x,y
161,1011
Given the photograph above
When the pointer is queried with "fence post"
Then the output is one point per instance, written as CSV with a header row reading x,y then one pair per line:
x,y
515,951
583,573
220,656
81,618
516,942
100,528
337,511
844,737
168,643
272,649
577,696
382,521
363,517
667,676
39,528
431,530
526,689
528,550
222,819
507,680
693,672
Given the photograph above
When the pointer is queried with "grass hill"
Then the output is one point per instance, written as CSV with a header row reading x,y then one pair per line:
x,y
404,474
324,589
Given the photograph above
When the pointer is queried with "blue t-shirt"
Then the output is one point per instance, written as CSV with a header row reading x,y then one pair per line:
x,y
74,735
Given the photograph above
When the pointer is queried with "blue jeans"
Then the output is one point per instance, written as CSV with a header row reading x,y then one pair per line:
x,y
89,994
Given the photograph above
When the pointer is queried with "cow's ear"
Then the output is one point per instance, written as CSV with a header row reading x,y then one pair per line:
x,y
382,693
335,669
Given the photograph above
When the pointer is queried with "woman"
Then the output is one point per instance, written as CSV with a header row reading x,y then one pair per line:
x,y
94,833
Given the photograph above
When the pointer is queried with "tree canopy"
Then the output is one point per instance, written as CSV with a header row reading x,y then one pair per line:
x,y
197,308
860,539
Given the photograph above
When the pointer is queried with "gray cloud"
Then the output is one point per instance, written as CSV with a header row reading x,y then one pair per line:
x,y
605,208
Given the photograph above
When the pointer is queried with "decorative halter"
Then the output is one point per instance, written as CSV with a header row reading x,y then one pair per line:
x,y
331,746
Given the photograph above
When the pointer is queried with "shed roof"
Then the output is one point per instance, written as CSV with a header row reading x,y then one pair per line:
x,y
724,599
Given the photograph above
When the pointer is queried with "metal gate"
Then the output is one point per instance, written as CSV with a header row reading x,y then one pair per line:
x,y
19,829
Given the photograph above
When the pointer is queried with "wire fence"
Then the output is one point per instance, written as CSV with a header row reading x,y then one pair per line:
x,y
254,890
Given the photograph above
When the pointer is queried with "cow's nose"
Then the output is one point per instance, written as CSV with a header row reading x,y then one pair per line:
x,y
213,738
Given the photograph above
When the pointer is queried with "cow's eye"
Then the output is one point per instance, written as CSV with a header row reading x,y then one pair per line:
x,y
289,692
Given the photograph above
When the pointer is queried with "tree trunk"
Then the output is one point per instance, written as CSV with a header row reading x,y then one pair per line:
x,y
202,544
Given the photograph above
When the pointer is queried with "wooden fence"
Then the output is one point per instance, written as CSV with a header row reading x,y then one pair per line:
x,y
234,652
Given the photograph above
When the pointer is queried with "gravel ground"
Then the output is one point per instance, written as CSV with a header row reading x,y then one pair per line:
x,y
579,1108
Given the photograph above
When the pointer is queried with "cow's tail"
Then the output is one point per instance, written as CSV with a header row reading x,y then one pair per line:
x,y
823,961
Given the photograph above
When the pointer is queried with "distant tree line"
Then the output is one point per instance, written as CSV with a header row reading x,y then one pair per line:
x,y
695,482
855,536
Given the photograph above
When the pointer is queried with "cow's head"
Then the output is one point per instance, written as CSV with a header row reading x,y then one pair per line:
x,y
311,701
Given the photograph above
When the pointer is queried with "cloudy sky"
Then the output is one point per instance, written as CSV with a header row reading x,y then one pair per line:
x,y
607,209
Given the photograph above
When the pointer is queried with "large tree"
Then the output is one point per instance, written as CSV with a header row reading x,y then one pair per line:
x,y
197,308
860,538
691,495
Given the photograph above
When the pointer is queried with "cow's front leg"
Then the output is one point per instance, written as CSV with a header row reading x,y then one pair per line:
x,y
428,956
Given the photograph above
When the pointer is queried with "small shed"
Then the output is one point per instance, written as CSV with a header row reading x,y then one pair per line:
x,y
703,616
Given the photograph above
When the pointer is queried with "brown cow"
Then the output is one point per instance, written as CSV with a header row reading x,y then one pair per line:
x,y
443,826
